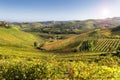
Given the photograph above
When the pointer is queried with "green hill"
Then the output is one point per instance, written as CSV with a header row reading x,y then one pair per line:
x,y
69,27
13,37
17,43
116,30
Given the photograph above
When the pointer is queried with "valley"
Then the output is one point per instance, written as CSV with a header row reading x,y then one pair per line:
x,y
37,51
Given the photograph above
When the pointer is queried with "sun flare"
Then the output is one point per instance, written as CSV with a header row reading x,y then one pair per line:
x,y
105,13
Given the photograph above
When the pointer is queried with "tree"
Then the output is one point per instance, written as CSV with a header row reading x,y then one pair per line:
x,y
35,44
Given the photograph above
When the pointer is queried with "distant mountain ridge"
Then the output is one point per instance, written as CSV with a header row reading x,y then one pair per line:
x,y
75,24
90,23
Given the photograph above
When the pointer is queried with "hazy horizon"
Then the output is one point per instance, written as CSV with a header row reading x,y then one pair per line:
x,y
57,10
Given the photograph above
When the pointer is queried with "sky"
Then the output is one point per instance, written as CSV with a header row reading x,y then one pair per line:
x,y
58,10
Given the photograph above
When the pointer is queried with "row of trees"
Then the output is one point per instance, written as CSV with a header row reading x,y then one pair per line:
x,y
88,45
4,24
38,46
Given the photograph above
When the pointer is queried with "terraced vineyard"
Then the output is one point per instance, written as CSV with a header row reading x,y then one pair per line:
x,y
106,45
100,45
85,45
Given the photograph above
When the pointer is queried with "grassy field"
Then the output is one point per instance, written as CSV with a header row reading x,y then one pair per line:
x,y
14,36
17,64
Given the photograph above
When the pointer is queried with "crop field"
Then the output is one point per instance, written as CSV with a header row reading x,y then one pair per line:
x,y
107,45
84,45
100,45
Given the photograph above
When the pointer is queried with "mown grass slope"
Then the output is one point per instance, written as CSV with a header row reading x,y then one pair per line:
x,y
16,43
13,37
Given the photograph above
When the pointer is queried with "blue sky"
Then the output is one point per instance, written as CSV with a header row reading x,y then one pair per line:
x,y
46,10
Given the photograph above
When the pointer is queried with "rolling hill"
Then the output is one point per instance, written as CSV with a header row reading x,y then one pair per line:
x,y
93,41
13,37
69,27
116,30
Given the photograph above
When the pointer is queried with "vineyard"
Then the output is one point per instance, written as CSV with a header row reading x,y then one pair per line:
x,y
107,45
100,45
78,44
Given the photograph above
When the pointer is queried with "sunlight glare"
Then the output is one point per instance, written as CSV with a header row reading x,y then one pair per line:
x,y
105,13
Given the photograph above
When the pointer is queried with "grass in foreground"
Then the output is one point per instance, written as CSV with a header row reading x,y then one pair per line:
x,y
23,64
